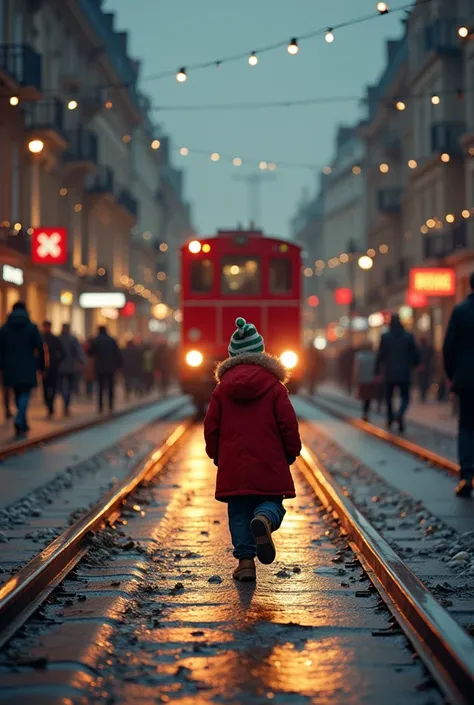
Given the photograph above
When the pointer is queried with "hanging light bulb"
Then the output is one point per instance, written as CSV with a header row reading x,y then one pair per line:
x,y
181,76
435,99
237,161
293,47
412,163
445,157
382,8
253,59
14,100
384,168
184,151
215,156
329,36
463,32
263,166
156,144
400,105
72,105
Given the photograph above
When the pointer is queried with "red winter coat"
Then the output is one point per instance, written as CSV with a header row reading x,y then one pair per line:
x,y
250,429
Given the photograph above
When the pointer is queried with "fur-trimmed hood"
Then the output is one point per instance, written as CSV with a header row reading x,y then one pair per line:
x,y
250,376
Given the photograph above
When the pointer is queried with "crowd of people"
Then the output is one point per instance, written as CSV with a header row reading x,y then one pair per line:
x,y
68,369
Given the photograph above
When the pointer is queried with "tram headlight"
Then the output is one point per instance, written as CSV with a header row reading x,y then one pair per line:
x,y
289,359
194,358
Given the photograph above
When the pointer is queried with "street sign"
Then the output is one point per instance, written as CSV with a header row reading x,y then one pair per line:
x,y
49,246
433,281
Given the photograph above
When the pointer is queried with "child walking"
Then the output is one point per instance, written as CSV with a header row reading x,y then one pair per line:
x,y
251,434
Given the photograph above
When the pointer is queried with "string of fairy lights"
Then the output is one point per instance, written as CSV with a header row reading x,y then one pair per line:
x,y
366,260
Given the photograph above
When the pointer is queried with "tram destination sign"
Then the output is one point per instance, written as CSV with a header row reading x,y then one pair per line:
x,y
433,281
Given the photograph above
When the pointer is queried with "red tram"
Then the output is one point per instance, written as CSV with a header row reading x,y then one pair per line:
x,y
238,273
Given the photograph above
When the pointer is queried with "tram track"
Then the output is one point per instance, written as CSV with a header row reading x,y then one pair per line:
x,y
333,407
444,647
31,585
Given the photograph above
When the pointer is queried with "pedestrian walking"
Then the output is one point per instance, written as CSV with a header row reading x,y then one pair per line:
x,y
397,357
108,360
162,365
315,367
346,367
54,355
74,358
426,369
251,434
458,354
132,368
21,356
364,376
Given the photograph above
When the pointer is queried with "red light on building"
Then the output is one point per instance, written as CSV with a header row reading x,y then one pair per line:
x,y
416,300
49,246
313,301
343,297
128,310
435,281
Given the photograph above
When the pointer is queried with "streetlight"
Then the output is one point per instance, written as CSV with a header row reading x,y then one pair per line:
x,y
365,262
36,147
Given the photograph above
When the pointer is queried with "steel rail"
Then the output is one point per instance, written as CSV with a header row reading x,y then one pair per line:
x,y
383,435
18,447
25,591
446,649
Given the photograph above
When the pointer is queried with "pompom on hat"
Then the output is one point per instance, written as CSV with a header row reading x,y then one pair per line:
x,y
245,339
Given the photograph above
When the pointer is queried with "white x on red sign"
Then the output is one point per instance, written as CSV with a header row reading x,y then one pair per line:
x,y
49,246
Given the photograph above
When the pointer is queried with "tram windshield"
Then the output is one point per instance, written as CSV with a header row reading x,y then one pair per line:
x,y
241,275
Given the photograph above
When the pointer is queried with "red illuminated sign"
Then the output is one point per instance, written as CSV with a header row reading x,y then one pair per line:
x,y
313,301
435,281
49,246
416,300
343,297
128,310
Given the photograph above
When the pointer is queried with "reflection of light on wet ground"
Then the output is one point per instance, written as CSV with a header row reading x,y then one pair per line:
x,y
293,639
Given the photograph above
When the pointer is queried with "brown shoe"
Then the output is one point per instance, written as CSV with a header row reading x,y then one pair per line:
x,y
261,528
245,571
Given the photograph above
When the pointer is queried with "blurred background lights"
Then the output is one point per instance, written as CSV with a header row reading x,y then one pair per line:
x,y
184,151
194,247
72,105
253,59
365,262
215,156
412,163
329,36
181,76
401,105
237,161
463,32
382,7
156,144
435,99
14,100
384,168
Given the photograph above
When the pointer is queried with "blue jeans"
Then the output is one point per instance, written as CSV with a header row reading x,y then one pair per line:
x,y
241,512
22,398
405,396
466,435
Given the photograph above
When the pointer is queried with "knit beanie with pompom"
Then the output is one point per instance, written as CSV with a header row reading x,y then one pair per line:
x,y
246,339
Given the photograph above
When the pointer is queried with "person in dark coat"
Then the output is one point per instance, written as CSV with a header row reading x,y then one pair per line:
x,y
315,367
426,371
396,359
162,366
54,354
73,360
132,368
458,354
251,434
108,360
21,356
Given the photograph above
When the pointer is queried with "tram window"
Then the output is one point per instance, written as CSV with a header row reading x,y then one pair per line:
x,y
202,275
241,275
281,280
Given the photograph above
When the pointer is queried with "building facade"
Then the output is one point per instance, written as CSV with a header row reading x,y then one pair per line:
x,y
78,151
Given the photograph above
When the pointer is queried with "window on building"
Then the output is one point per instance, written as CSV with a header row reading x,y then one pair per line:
x,y
241,275
202,276
281,279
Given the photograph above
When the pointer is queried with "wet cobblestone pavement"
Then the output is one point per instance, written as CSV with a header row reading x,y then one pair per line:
x,y
153,614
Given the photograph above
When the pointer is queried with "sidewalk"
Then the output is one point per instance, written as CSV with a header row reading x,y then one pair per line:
x,y
82,410
437,416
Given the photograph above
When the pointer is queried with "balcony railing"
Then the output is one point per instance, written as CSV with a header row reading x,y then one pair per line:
x,y
389,200
83,146
22,64
442,37
448,242
445,136
46,115
102,182
126,200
